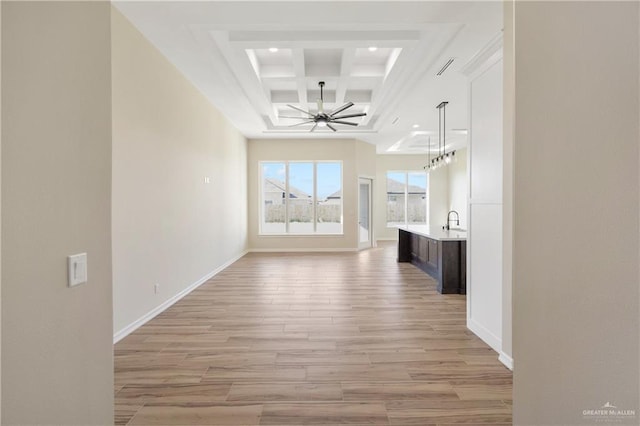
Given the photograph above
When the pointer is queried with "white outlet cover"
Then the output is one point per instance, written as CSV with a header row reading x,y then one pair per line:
x,y
77,269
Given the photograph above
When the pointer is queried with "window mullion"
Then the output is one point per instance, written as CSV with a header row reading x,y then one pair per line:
x,y
406,198
286,197
315,197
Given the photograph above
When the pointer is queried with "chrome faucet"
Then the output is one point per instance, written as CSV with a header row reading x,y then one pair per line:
x,y
457,219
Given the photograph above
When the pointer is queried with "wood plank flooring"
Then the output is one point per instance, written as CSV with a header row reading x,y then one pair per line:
x,y
330,338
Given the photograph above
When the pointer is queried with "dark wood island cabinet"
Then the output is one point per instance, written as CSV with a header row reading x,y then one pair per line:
x,y
441,254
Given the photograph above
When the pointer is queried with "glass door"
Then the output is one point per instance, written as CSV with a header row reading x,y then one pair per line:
x,y
364,214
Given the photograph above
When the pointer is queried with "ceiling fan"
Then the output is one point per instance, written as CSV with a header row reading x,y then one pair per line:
x,y
323,119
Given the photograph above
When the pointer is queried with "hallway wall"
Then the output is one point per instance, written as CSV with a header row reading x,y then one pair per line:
x,y
57,356
576,223
179,182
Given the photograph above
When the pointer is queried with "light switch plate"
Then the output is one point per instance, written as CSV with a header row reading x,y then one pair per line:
x,y
77,269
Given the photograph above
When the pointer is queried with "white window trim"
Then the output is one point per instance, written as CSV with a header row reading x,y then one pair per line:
x,y
286,209
406,197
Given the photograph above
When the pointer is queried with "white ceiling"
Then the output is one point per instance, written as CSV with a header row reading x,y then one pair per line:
x,y
223,47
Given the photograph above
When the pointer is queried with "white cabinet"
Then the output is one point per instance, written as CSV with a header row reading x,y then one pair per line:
x,y
484,274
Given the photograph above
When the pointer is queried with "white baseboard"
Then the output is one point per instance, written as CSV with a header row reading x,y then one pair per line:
x,y
166,304
506,360
489,338
301,250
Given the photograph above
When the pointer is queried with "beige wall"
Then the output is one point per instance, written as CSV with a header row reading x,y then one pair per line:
x,y
507,180
576,210
169,226
0,214
366,160
57,360
356,157
457,187
438,197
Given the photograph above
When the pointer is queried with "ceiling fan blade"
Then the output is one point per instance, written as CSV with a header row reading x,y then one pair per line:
x,y
320,106
342,108
357,114
300,124
297,118
331,127
343,122
300,109
314,127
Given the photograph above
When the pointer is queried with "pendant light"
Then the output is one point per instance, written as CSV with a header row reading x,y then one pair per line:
x,y
444,158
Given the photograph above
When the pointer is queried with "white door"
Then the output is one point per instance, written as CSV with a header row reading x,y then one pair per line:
x,y
364,214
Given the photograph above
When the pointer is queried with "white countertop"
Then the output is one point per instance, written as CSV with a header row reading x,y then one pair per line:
x,y
436,232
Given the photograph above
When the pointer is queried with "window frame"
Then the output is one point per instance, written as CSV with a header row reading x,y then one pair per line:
x,y
287,232
406,199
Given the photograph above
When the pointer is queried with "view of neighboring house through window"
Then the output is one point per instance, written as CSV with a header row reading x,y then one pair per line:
x,y
301,197
406,198
300,206
273,198
329,209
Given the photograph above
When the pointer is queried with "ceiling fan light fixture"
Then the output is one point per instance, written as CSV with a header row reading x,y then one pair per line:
x,y
273,49
323,119
373,48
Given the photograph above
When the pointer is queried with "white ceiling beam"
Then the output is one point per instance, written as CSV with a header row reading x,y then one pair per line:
x,y
348,57
319,44
257,38
301,81
409,70
245,74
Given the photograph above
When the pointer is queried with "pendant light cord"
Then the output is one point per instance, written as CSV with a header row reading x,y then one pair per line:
x,y
442,141
439,131
442,128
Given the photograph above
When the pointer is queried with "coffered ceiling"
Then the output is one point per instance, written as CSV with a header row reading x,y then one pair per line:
x,y
394,60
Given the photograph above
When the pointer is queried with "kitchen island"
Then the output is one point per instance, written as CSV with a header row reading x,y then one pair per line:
x,y
440,253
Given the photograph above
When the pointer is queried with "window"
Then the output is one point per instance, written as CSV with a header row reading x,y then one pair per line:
x,y
301,197
273,192
406,198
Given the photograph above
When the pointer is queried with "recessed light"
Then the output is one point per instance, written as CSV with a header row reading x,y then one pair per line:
x,y
273,49
373,49
415,126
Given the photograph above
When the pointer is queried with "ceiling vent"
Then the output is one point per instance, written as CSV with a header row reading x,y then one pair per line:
x,y
445,66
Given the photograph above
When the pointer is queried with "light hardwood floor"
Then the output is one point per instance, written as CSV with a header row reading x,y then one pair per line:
x,y
331,338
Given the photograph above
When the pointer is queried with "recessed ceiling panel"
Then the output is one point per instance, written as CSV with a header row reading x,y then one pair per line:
x,y
367,56
322,62
359,96
272,63
284,96
276,83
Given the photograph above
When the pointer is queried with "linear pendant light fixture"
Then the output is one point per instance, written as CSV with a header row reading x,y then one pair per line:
x,y
444,158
